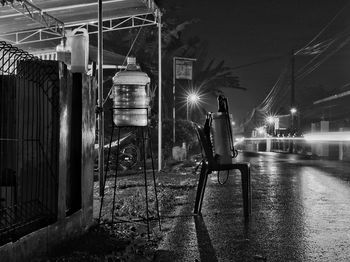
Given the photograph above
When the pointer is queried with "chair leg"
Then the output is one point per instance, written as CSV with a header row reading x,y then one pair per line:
x,y
201,188
249,191
246,190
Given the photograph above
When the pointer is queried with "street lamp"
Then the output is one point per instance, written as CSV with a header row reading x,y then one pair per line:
x,y
271,121
261,130
193,99
293,110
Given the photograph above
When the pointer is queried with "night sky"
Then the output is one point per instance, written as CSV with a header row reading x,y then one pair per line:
x,y
244,32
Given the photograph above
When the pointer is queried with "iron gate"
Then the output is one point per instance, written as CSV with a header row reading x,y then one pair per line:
x,y
29,137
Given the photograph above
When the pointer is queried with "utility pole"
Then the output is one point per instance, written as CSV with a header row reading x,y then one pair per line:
x,y
292,90
292,101
174,98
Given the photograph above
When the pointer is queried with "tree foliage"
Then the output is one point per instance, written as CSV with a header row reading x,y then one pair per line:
x,y
209,77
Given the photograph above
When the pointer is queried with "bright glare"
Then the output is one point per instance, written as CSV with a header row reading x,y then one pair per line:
x,y
238,140
261,130
193,98
274,138
270,119
293,110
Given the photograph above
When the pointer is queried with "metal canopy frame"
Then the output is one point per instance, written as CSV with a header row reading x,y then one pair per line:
x,y
33,12
71,14
112,24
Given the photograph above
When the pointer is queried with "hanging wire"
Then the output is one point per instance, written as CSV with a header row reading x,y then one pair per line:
x,y
324,28
279,91
322,60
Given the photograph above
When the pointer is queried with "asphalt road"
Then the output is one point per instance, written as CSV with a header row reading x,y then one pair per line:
x,y
301,212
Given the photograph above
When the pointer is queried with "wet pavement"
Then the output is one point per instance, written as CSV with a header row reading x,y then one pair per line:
x,y
300,212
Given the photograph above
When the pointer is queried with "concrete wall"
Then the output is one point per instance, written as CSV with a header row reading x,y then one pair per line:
x,y
39,242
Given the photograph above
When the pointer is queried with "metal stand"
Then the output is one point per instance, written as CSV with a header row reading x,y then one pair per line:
x,y
145,133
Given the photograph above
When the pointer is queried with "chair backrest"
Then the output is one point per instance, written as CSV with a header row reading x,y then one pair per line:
x,y
206,145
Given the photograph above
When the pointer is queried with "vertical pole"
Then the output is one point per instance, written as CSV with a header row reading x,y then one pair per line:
x,y
292,101
341,147
292,90
174,100
187,114
100,99
159,92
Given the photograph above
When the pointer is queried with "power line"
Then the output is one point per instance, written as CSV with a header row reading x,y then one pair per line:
x,y
257,62
324,28
277,93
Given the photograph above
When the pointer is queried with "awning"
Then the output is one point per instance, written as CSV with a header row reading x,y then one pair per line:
x,y
29,21
23,23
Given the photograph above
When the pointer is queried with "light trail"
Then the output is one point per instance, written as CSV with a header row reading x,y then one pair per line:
x,y
240,140
328,137
343,136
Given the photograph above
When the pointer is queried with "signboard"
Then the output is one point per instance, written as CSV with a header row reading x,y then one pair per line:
x,y
183,69
283,122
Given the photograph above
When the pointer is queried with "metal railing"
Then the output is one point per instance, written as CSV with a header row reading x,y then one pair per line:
x,y
29,118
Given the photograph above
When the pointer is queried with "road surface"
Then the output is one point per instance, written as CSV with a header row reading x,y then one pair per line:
x,y
301,212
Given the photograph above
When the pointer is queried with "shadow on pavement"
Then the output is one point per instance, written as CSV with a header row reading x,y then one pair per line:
x,y
205,247
164,256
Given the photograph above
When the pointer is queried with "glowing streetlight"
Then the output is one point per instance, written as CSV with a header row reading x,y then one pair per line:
x,y
193,99
261,130
270,120
293,110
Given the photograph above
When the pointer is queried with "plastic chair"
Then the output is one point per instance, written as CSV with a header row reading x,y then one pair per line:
x,y
210,164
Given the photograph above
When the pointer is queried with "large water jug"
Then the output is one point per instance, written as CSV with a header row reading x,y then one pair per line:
x,y
79,50
130,96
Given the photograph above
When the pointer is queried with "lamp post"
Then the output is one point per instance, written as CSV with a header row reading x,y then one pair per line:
x,y
193,99
182,69
293,111
271,120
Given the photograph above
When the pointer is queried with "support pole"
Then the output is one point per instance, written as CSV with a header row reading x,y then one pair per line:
x,y
187,113
100,100
159,92
174,99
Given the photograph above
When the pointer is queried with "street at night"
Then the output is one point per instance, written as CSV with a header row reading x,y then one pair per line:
x,y
162,130
300,212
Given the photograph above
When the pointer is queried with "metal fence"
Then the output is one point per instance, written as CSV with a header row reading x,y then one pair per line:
x,y
29,118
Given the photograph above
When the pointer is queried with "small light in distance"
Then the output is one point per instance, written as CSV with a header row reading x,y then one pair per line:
x,y
261,130
293,110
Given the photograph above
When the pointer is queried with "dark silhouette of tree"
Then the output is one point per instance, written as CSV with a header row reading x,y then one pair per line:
x,y
210,77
